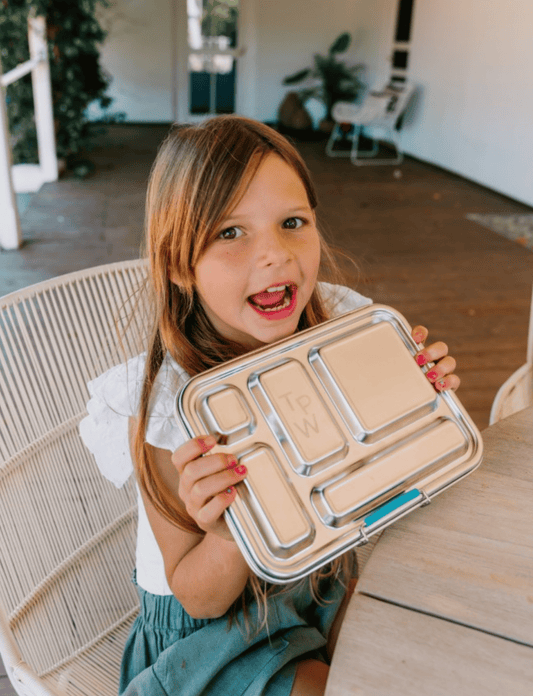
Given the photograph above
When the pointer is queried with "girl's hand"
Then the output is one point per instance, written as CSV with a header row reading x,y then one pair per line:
x,y
441,374
207,484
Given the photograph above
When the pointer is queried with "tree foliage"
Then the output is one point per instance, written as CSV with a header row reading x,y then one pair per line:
x,y
74,36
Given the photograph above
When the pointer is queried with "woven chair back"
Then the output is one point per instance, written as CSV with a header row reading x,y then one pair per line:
x,y
67,541
516,393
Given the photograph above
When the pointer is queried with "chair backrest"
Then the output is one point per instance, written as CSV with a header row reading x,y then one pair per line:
x,y
67,542
516,393
382,107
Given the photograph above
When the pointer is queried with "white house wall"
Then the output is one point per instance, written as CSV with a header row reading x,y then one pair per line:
x,y
472,59
138,55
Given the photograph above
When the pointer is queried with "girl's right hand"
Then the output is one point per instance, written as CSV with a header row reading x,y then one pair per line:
x,y
207,483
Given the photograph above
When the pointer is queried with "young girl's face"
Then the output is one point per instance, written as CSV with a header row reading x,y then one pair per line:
x,y
268,240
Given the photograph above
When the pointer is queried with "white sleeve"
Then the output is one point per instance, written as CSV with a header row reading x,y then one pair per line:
x,y
341,299
114,399
162,430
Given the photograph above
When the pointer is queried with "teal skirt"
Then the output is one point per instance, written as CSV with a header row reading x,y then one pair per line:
x,y
169,653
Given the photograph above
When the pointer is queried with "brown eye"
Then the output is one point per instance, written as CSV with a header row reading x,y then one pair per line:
x,y
229,230
293,223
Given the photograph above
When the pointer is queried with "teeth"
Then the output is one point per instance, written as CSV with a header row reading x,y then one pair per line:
x,y
277,288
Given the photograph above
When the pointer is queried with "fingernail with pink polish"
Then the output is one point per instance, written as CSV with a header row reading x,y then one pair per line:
x,y
432,375
229,491
206,442
418,338
240,470
232,462
441,384
421,360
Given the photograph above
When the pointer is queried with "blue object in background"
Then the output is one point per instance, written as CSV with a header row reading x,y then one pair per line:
x,y
23,201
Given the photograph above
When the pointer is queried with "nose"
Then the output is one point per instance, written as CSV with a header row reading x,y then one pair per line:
x,y
275,248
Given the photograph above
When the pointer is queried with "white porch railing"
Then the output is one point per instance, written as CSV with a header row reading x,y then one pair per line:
x,y
24,178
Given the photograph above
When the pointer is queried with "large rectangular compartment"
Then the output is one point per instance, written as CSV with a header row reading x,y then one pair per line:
x,y
341,433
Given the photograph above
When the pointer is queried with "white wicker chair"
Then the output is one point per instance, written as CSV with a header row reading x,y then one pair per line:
x,y
517,392
67,541
384,109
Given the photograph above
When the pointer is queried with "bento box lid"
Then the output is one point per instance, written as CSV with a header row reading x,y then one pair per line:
x,y
341,433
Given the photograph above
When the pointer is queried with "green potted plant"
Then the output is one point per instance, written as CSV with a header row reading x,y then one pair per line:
x,y
330,80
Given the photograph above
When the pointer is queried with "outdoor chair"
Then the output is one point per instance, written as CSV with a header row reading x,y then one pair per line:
x,y
384,110
67,535
516,393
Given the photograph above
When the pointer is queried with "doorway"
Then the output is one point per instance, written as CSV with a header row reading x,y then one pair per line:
x,y
212,71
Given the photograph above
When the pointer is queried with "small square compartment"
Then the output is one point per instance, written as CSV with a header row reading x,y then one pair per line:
x,y
226,414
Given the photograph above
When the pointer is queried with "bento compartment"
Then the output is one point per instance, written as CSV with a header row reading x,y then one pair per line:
x,y
354,493
374,381
273,504
226,414
301,421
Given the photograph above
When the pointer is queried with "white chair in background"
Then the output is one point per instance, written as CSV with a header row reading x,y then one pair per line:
x,y
67,535
516,393
384,110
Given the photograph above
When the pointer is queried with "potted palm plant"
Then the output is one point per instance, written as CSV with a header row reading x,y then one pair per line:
x,y
329,80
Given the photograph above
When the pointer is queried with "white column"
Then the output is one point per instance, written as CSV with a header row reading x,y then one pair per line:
x,y
10,232
42,97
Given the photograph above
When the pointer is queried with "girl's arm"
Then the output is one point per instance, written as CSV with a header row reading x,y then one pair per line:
x,y
206,573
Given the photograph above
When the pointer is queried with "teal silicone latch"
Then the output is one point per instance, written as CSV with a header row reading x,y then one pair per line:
x,y
391,505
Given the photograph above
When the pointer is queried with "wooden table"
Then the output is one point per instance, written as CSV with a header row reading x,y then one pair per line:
x,y
444,605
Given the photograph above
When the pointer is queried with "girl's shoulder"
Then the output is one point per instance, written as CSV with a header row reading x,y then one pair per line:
x,y
340,299
114,398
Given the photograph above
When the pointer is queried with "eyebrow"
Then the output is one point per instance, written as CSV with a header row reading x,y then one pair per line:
x,y
300,209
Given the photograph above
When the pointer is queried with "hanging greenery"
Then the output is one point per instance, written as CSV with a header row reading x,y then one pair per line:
x,y
74,35
220,19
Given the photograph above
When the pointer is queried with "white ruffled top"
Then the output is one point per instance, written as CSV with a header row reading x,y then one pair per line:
x,y
115,397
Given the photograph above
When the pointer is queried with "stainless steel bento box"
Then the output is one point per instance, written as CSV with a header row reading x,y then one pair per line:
x,y
341,433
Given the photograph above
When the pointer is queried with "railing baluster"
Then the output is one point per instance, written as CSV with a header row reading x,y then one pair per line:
x,y
42,97
10,230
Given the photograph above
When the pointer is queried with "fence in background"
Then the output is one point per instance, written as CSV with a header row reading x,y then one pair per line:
x,y
23,178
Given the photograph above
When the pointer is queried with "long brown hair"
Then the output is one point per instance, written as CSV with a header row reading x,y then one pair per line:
x,y
199,175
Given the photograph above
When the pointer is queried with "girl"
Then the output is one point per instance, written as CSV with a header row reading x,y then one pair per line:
x,y
230,223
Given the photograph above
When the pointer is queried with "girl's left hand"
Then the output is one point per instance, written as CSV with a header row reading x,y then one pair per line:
x,y
441,374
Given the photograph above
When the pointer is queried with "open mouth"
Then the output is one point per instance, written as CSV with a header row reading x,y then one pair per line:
x,y
279,301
